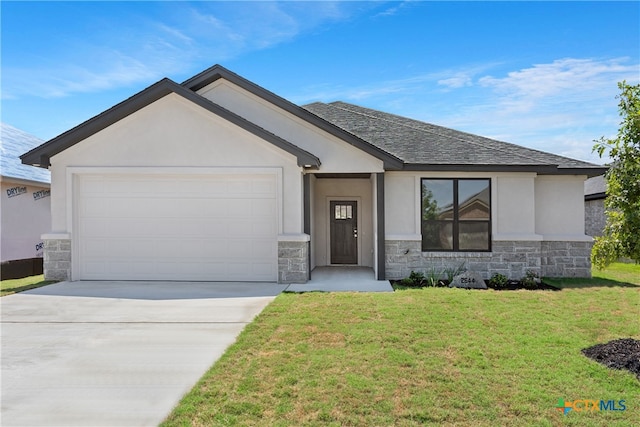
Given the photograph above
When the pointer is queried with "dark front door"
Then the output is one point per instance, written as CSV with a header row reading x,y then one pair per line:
x,y
344,232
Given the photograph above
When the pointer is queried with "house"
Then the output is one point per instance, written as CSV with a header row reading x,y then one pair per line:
x,y
595,192
219,179
25,211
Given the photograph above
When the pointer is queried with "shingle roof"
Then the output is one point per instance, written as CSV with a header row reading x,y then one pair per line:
x,y
420,144
401,143
595,188
14,142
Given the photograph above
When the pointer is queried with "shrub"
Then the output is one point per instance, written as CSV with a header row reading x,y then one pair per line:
x,y
530,280
433,277
451,272
419,280
415,280
498,281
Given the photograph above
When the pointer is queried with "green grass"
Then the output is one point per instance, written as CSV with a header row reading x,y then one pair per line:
x,y
11,286
629,273
433,356
617,274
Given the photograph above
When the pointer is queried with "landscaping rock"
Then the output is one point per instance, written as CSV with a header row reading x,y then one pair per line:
x,y
468,280
617,354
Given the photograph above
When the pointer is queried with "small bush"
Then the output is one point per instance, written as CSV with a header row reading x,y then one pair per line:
x,y
451,272
433,277
415,280
418,279
407,282
530,280
498,281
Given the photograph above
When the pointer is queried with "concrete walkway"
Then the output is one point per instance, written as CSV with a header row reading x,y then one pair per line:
x,y
342,279
115,353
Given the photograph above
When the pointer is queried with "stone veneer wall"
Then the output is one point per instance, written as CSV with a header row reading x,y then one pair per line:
x,y
57,259
511,258
566,259
594,217
293,262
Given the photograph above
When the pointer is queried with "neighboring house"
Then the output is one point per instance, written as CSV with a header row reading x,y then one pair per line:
x,y
25,212
219,179
595,192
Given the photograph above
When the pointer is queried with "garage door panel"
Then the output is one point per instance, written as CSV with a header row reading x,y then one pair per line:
x,y
238,208
262,228
262,269
265,187
239,228
263,248
205,227
93,228
263,207
238,248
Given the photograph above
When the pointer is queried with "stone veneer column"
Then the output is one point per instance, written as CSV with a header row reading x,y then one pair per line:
x,y
57,257
293,261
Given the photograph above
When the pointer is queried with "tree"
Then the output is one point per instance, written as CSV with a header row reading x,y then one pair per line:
x,y
621,236
429,205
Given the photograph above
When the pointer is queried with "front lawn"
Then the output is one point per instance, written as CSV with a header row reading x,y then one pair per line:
x,y
617,274
435,356
11,286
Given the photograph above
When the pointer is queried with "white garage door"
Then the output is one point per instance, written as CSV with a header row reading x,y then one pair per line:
x,y
175,227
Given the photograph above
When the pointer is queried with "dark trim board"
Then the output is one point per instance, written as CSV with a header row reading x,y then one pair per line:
x,y
595,196
539,169
343,175
306,194
380,229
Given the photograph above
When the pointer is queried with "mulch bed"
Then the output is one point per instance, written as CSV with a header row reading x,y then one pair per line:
x,y
514,285
623,353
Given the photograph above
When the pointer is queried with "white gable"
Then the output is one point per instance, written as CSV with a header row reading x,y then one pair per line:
x,y
336,155
175,133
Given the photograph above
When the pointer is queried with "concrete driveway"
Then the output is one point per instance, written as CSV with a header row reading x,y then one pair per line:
x,y
115,353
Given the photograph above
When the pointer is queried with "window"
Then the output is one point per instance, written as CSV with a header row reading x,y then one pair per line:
x,y
343,212
456,214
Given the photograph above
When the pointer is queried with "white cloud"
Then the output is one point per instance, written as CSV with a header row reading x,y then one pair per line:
x,y
579,79
559,107
457,81
111,69
142,53
415,85
393,10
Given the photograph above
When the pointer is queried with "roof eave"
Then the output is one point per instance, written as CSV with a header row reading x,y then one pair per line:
x,y
478,168
40,156
539,169
595,196
588,171
24,181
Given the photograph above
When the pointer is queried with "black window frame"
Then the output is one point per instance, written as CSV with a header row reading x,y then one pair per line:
x,y
456,220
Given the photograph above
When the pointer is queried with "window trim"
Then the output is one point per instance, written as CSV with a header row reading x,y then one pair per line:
x,y
456,220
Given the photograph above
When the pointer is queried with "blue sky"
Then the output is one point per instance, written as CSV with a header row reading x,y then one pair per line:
x,y
539,74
